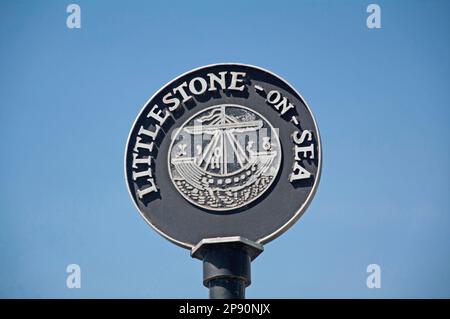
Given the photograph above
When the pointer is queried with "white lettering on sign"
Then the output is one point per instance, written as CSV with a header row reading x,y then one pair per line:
x,y
149,189
142,163
199,85
279,102
303,149
146,137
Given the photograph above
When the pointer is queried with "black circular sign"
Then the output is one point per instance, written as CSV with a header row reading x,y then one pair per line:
x,y
223,150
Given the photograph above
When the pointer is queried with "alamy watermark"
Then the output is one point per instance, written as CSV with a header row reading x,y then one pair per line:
x,y
374,19
73,20
374,278
73,280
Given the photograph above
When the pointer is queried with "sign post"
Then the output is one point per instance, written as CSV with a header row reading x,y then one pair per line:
x,y
226,265
222,160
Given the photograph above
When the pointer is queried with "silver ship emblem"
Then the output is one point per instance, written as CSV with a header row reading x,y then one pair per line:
x,y
224,157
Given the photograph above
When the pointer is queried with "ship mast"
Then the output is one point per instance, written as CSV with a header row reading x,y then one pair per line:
x,y
222,126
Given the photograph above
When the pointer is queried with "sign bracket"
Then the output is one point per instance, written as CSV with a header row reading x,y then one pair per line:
x,y
226,265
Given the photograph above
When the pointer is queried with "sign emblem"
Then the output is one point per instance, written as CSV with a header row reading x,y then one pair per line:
x,y
224,157
221,151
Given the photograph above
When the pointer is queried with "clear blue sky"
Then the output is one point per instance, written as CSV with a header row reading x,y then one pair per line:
x,y
380,97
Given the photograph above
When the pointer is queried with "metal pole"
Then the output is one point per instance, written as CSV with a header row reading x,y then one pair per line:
x,y
226,265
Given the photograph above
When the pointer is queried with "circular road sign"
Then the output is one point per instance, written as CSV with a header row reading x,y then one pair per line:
x,y
223,150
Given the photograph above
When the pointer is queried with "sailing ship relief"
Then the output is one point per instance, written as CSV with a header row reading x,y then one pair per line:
x,y
224,157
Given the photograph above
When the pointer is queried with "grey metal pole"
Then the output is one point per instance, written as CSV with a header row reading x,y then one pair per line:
x,y
226,265
226,271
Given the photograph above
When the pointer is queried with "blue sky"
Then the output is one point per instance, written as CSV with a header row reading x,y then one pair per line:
x,y
380,97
